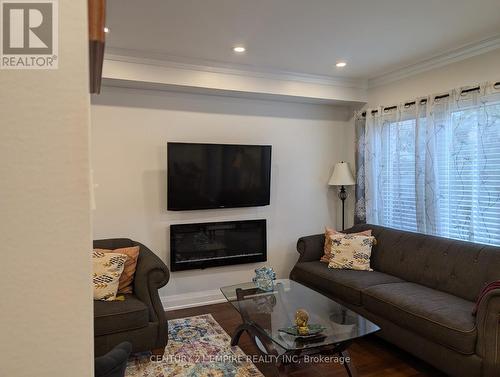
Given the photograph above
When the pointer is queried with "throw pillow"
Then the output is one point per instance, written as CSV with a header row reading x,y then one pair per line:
x,y
108,268
328,241
351,251
127,277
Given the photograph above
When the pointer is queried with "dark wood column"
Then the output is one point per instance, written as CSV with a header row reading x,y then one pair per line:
x,y
97,38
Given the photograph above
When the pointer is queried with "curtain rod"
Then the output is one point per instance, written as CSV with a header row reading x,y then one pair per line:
x,y
390,108
425,100
442,96
474,89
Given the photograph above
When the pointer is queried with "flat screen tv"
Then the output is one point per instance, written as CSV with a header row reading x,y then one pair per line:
x,y
204,176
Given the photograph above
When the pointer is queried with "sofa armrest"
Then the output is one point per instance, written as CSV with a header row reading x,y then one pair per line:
x,y
311,248
488,327
150,275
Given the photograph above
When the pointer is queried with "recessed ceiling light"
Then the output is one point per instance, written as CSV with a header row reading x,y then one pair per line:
x,y
341,64
106,29
239,49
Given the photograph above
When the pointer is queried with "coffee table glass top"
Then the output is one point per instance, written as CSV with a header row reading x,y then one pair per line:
x,y
272,311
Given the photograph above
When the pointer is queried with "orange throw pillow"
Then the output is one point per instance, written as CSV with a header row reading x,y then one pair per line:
x,y
127,276
328,242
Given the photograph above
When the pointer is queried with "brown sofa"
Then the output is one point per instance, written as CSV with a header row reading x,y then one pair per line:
x,y
140,318
421,293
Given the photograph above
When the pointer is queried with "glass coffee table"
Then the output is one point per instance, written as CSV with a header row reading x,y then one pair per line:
x,y
266,314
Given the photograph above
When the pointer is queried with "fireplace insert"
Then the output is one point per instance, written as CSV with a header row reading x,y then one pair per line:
x,y
194,246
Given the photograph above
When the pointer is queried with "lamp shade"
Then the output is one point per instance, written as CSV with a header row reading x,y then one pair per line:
x,y
342,175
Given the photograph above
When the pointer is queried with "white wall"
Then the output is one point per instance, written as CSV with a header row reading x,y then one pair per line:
x,y
45,272
471,71
130,130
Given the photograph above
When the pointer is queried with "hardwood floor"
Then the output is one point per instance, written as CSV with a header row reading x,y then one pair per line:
x,y
372,356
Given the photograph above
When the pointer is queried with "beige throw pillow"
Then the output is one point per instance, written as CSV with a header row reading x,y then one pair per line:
x,y
127,276
108,268
328,242
351,251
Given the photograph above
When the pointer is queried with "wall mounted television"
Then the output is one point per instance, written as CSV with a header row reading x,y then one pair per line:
x,y
205,176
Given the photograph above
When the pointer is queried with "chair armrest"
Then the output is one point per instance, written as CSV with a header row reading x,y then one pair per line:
x,y
488,327
150,275
311,248
113,363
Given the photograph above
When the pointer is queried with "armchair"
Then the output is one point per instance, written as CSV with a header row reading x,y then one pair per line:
x,y
114,363
140,318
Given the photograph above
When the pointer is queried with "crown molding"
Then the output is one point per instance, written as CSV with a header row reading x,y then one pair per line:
x,y
171,61
437,61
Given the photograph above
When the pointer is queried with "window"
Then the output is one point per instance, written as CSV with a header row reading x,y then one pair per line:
x,y
473,192
464,169
398,179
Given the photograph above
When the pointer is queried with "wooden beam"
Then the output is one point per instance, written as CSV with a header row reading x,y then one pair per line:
x,y
97,39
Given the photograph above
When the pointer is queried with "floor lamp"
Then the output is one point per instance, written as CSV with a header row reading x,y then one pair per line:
x,y
342,177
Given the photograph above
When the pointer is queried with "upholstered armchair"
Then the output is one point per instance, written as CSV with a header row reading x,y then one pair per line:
x,y
114,363
140,318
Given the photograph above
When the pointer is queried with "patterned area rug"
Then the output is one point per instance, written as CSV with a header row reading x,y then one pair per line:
x,y
197,347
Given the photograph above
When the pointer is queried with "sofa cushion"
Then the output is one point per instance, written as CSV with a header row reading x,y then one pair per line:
x,y
456,267
351,252
435,315
115,316
344,284
127,276
106,271
329,233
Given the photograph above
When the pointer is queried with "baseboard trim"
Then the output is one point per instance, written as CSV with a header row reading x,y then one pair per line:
x,y
193,299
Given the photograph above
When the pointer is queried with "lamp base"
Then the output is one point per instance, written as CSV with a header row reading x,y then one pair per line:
x,y
342,193
343,196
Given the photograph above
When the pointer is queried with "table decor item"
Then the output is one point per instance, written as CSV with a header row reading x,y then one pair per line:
x,y
301,319
314,330
264,278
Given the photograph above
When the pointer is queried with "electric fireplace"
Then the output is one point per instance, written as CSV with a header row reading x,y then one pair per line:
x,y
201,245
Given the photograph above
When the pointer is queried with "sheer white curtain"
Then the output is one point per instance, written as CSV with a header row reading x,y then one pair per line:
x,y
433,165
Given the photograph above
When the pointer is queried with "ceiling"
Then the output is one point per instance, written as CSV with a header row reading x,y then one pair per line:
x,y
375,37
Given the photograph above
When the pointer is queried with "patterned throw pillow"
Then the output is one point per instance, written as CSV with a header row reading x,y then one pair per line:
x,y
328,241
107,270
351,252
127,277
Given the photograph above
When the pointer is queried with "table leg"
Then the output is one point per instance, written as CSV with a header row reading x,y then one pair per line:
x,y
349,366
281,369
237,334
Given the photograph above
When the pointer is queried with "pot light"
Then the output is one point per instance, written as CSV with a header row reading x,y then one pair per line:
x,y
239,49
341,64
106,29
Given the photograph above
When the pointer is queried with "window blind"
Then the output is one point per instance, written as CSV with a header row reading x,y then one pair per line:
x,y
466,165
474,175
398,176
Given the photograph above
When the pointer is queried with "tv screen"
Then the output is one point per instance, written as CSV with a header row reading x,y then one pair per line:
x,y
203,176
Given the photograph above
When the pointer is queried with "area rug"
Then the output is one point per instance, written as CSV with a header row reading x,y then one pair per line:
x,y
197,347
